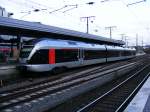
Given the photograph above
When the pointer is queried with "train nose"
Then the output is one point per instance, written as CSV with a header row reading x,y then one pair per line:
x,y
21,67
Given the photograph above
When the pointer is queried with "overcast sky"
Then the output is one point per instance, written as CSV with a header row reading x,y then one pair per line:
x,y
128,19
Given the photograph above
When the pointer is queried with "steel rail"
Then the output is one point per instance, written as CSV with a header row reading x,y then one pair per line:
x,y
89,105
69,84
124,104
100,68
65,79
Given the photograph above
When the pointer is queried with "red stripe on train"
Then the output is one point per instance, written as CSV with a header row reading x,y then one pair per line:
x,y
51,56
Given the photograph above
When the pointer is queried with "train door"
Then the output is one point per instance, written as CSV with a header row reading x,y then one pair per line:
x,y
80,56
106,51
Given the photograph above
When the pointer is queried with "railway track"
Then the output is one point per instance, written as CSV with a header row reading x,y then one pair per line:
x,y
13,98
81,71
19,81
81,102
118,97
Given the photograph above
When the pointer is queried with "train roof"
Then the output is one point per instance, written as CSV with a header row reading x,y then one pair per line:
x,y
66,44
115,48
131,49
120,48
24,28
57,43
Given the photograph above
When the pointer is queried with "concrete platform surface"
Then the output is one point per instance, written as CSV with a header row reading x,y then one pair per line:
x,y
7,71
4,67
141,101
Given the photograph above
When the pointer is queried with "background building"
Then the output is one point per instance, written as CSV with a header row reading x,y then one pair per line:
x,y
7,50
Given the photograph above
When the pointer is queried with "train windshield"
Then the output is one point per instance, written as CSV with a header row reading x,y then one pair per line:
x,y
25,51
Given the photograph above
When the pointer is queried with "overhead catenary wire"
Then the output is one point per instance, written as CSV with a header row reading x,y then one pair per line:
x,y
33,5
41,7
132,13
134,3
66,8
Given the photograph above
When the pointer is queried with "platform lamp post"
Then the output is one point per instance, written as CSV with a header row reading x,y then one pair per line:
x,y
126,40
11,47
142,43
87,18
110,28
122,36
136,40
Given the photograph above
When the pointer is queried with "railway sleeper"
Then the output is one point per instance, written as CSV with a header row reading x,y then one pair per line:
x,y
104,107
110,103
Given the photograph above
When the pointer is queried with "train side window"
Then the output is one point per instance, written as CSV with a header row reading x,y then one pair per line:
x,y
94,54
113,53
40,57
127,53
122,53
66,55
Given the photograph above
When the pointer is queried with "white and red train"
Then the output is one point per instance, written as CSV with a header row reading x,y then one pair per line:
x,y
50,55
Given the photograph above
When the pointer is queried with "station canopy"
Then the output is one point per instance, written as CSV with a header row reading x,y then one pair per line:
x,y
9,26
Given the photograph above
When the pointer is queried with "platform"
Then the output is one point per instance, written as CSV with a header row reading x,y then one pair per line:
x,y
7,71
141,101
5,67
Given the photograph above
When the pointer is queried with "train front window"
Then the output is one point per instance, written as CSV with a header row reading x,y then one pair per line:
x,y
40,57
25,51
